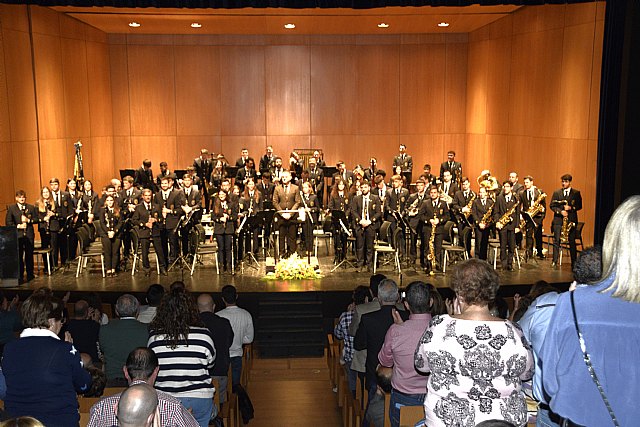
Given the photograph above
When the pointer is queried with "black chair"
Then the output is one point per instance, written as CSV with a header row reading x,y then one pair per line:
x,y
138,252
87,251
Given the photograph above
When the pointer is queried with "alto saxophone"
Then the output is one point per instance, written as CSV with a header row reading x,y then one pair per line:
x,y
533,210
507,217
468,206
486,218
566,228
414,208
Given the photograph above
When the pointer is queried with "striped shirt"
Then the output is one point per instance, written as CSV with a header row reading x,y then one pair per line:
x,y
184,370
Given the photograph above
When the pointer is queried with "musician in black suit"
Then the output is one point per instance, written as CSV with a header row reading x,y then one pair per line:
x,y
58,222
130,197
248,171
87,203
46,210
344,174
267,162
529,195
427,176
311,205
286,197
277,170
416,223
565,203
448,187
164,173
405,161
506,214
203,167
72,225
394,207
109,228
461,208
23,216
251,202
144,176
192,212
434,214
479,209
316,177
244,156
339,200
110,190
225,213
146,219
171,202
319,160
452,166
367,215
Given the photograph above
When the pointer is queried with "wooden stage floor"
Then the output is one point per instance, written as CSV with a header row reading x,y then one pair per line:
x,y
205,279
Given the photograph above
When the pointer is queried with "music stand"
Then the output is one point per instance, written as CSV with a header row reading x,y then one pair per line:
x,y
403,224
184,263
247,226
232,171
264,219
339,221
179,173
328,172
127,172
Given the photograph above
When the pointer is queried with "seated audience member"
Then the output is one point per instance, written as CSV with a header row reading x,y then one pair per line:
x,y
84,331
222,335
137,406
154,296
9,320
588,268
242,325
98,381
185,353
409,386
119,337
495,423
476,361
499,308
607,314
95,308
375,410
43,373
373,328
438,305
22,422
142,367
360,296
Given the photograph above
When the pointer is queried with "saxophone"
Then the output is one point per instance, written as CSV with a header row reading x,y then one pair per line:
x,y
486,218
414,208
468,206
533,210
507,217
431,256
565,229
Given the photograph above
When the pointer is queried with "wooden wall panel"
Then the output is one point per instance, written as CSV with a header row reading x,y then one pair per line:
x,y
287,75
336,148
422,88
425,149
242,93
76,88
157,148
594,104
118,61
189,147
283,145
14,17
478,155
99,89
5,122
45,21
124,158
455,92
378,90
197,90
26,168
7,193
498,89
383,147
231,146
477,87
49,86
334,103
102,165
57,156
151,76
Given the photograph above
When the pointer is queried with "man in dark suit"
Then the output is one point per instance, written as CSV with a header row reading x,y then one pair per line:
x,y
394,207
405,161
479,209
23,216
130,197
164,172
367,216
316,177
416,223
248,171
58,222
286,197
448,187
506,214
244,156
565,203
203,167
452,166
434,214
267,162
193,207
461,208
533,231
144,176
346,175
277,170
146,220
171,202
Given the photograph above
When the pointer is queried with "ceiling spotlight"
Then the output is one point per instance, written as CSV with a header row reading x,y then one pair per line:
x,y
195,25
443,24
289,26
134,24
383,25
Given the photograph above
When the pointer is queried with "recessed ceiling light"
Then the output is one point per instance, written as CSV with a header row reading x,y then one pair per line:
x,y
134,24
443,24
289,26
195,25
383,25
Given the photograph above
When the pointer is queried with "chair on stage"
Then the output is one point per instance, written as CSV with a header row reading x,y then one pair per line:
x,y
384,245
87,251
203,248
455,252
46,254
138,252
494,248
324,233
565,246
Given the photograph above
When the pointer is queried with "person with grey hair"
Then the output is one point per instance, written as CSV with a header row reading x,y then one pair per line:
x,y
120,336
373,328
602,321
137,406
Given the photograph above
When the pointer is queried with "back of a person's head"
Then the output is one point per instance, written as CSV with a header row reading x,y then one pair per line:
x,y
205,303
620,251
388,291
137,406
178,284
475,281
81,309
98,382
175,316
229,294
383,378
141,363
154,295
495,423
360,294
541,287
21,422
374,283
418,297
38,309
499,308
437,305
127,306
588,267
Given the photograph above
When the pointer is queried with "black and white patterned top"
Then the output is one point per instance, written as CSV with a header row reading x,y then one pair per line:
x,y
476,371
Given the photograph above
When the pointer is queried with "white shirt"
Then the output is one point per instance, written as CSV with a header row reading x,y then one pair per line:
x,y
242,326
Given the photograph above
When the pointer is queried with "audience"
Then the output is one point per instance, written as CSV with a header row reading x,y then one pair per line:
x,y
476,361
242,325
360,296
119,337
607,315
137,406
222,335
84,331
22,422
42,372
142,368
185,353
154,296
9,320
375,411
400,342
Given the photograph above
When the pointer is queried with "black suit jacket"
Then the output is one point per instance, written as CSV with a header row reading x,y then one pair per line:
x,y
526,204
502,207
174,202
414,221
406,164
395,202
144,178
109,222
266,163
453,188
222,335
203,168
141,216
227,227
64,208
478,211
574,200
430,209
14,217
375,210
459,201
455,169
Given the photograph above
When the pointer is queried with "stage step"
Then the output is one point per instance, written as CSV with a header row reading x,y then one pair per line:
x,y
290,325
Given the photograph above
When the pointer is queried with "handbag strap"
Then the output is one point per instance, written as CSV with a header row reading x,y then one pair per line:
x,y
587,361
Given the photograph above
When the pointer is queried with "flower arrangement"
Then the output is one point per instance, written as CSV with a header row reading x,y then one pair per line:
x,y
294,268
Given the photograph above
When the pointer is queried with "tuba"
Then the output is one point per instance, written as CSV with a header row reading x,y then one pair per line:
x,y
487,181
